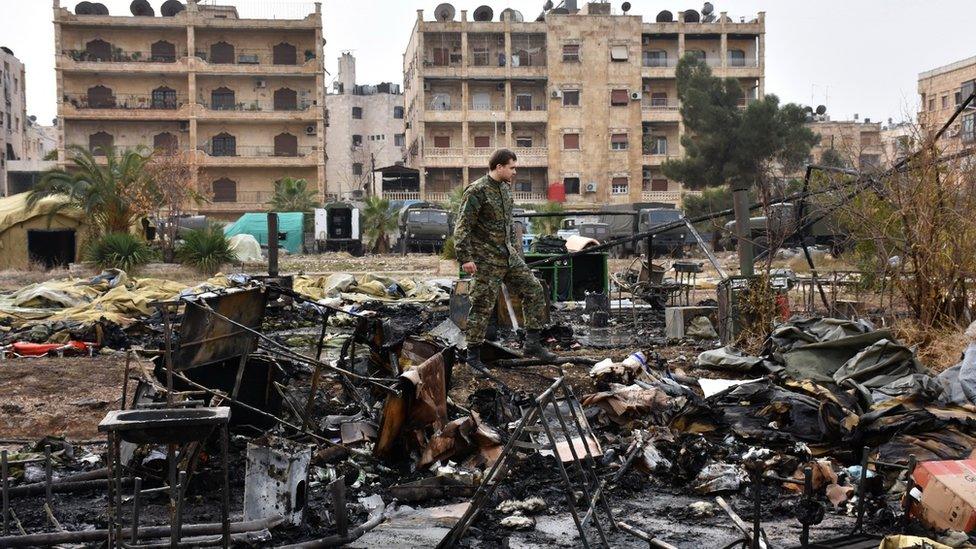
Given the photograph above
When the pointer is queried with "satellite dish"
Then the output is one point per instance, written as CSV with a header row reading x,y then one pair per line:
x,y
99,9
691,16
821,110
84,8
444,12
808,109
483,13
708,8
548,5
142,8
508,14
665,16
625,7
171,8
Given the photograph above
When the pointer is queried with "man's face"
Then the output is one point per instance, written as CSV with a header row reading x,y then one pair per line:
x,y
506,172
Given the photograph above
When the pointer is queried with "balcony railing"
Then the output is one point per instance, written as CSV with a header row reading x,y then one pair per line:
x,y
733,63
253,106
528,108
126,101
528,196
487,107
443,151
256,151
659,105
661,196
240,200
659,62
401,195
257,56
531,151
444,107
123,56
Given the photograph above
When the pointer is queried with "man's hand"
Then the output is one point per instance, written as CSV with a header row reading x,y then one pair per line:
x,y
469,267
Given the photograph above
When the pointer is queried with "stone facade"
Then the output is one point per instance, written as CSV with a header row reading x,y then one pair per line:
x,y
587,98
245,97
13,113
941,90
366,129
858,143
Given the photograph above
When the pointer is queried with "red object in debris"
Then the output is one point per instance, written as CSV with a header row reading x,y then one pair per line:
x,y
557,192
948,499
783,306
24,348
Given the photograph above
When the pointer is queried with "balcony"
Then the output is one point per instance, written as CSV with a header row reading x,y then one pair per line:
x,y
135,106
401,195
538,113
244,201
656,67
259,61
660,110
443,112
528,197
655,159
532,156
673,197
258,157
123,61
444,156
257,110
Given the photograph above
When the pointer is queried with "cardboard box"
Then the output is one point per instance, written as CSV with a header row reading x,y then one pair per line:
x,y
948,499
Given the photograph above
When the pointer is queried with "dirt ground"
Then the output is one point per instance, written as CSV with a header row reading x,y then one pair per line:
x,y
61,397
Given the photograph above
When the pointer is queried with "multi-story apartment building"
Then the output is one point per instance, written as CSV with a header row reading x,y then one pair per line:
x,y
13,113
898,140
585,97
366,131
941,90
855,143
245,96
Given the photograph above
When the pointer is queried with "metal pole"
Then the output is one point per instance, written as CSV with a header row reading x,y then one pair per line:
x,y
740,198
225,496
6,494
136,508
176,534
272,244
807,496
562,470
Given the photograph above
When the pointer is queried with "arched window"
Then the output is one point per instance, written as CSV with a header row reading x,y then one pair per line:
x,y
98,50
285,144
100,143
284,54
285,99
100,97
737,58
166,142
223,144
222,99
164,98
224,190
163,52
221,52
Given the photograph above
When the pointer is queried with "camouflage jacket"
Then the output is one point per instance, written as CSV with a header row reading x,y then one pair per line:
x,y
483,232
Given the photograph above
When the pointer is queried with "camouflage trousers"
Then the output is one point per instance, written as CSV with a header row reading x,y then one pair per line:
x,y
484,296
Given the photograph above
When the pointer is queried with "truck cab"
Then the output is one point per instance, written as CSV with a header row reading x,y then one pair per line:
x,y
424,227
672,241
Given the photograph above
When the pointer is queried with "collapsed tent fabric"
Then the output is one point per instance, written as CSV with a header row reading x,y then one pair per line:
x,y
256,225
245,247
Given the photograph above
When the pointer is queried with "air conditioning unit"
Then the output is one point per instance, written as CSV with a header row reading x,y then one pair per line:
x,y
261,83
556,94
311,130
184,126
590,187
635,96
500,86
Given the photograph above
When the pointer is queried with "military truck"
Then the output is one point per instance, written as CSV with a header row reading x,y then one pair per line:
x,y
783,222
424,227
670,242
337,229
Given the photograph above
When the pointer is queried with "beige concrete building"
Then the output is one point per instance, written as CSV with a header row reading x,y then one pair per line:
x,y
586,98
13,116
897,141
366,131
941,90
244,96
858,143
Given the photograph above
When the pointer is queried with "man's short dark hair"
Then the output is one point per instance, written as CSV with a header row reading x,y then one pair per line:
x,y
500,158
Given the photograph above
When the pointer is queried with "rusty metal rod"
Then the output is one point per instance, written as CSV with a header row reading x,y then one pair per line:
x,y
136,508
6,492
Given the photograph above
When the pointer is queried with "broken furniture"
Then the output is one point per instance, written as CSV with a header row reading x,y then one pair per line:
x,y
571,278
170,426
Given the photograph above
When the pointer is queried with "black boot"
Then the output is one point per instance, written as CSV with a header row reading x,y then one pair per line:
x,y
474,359
534,347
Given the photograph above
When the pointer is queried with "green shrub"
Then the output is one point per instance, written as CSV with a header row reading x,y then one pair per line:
x,y
205,249
119,251
449,252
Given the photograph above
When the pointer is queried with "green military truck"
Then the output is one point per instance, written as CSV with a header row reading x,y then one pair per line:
x,y
783,221
424,227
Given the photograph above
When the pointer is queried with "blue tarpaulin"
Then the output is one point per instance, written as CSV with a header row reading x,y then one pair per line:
x,y
256,225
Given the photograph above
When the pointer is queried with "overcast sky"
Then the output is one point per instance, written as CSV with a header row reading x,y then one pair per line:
x,y
856,56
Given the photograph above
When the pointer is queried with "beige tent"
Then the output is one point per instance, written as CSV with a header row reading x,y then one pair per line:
x,y
33,235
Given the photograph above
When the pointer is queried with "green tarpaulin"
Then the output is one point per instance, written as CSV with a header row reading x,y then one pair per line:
x,y
256,225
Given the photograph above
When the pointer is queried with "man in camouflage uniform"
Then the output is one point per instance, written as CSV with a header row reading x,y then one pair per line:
x,y
485,247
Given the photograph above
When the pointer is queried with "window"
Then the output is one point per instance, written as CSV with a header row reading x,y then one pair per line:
x,y
357,168
571,53
164,98
481,56
958,98
659,99
285,99
945,101
968,128
221,52
222,99
657,145
165,142
571,141
285,144
524,142
619,53
737,58
441,57
442,141
284,54
571,98
659,185
655,58
223,144
572,185
398,112
618,185
162,52
357,141
482,141
932,104
100,97
618,142
224,190
98,50
697,54
100,143
619,98
400,139
523,102
357,113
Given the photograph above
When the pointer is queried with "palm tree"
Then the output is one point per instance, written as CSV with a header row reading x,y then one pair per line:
x,y
293,195
379,221
113,196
